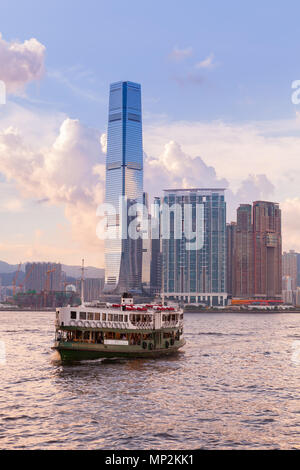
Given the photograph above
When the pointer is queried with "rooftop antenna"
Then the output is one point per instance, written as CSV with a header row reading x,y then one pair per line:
x,y
82,283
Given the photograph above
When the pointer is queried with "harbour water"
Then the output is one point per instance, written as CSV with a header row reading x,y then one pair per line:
x,y
235,385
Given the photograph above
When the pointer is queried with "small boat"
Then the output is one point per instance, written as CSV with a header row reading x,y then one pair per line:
x,y
118,330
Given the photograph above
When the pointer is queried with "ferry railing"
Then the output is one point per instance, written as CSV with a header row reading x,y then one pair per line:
x,y
170,324
144,325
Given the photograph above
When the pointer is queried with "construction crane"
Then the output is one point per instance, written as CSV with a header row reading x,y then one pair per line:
x,y
27,277
15,279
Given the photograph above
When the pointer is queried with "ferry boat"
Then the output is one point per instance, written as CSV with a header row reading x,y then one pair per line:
x,y
118,330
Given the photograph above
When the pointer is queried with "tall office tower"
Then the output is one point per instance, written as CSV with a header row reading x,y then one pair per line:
x,y
156,254
230,257
290,267
124,181
43,276
194,245
244,263
267,250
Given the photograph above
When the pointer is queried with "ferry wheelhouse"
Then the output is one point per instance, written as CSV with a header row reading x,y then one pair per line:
x,y
118,330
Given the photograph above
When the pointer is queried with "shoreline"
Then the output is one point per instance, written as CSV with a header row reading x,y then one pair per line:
x,y
194,312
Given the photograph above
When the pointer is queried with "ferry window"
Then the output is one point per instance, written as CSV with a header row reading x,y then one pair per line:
x,y
116,317
82,315
73,315
90,316
126,318
120,317
110,317
86,335
104,316
97,316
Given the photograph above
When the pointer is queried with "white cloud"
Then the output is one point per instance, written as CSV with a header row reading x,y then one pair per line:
x,y
207,63
178,54
70,172
175,169
21,63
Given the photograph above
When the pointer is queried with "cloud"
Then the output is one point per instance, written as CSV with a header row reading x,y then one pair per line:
x,y
290,209
207,63
174,169
13,205
178,54
22,63
237,150
70,172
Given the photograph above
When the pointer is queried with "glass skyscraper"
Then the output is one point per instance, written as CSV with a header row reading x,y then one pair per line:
x,y
124,181
195,275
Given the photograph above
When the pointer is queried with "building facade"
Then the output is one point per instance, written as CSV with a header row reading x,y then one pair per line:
x,y
230,257
43,276
290,267
194,245
124,182
267,250
93,288
156,249
243,261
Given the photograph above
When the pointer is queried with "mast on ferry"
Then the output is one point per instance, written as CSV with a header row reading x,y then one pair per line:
x,y
82,283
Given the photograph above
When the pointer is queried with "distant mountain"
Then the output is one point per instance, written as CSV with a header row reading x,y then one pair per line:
x,y
10,268
71,271
89,271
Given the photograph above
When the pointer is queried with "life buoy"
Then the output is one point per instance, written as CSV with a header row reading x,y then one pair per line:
x,y
93,324
99,325
86,324
79,323
72,323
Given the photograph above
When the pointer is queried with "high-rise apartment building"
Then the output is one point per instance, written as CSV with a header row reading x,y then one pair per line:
x,y
124,182
267,250
290,267
93,288
194,245
230,257
43,276
156,249
243,262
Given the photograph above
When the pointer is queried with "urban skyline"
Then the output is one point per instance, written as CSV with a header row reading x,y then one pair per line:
x,y
203,109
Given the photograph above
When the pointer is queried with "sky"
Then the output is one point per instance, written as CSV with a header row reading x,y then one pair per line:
x,y
217,110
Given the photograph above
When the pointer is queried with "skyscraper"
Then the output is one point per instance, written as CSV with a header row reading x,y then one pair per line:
x,y
195,270
290,267
124,180
230,256
267,250
243,262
